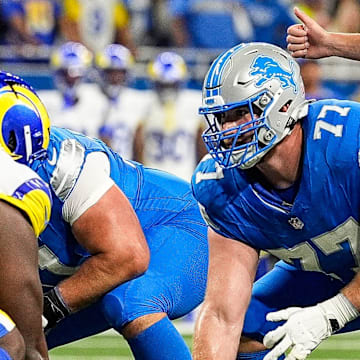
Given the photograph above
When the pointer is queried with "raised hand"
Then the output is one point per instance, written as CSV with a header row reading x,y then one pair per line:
x,y
308,40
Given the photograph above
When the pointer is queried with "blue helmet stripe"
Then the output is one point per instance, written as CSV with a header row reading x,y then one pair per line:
x,y
216,70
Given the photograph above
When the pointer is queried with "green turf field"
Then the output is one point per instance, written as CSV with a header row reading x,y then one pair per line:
x,y
111,347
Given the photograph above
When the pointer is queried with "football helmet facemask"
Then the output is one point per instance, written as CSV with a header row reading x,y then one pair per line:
x,y
262,84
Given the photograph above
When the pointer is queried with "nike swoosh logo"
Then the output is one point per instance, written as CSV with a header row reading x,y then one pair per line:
x,y
53,160
244,82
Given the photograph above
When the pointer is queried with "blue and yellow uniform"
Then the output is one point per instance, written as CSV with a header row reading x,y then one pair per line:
x,y
23,189
97,21
176,234
40,17
313,227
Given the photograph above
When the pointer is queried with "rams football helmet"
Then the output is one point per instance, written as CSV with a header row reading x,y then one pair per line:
x,y
168,72
70,62
114,64
265,80
25,125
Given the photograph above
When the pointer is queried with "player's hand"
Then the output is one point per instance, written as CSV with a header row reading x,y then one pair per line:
x,y
55,309
44,322
309,39
303,331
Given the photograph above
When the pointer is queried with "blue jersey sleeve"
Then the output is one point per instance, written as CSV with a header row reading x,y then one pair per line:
x,y
212,187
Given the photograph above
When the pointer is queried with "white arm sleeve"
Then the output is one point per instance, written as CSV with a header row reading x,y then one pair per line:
x,y
93,182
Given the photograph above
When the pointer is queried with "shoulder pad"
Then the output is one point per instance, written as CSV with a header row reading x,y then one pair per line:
x,y
68,167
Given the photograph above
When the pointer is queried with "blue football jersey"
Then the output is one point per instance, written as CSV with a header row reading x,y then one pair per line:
x,y
60,254
319,230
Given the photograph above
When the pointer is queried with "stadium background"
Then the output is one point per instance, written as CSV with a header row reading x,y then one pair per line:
x,y
152,28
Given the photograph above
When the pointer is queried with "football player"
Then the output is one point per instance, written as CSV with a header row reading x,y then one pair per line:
x,y
311,41
25,207
172,123
282,175
125,248
74,103
123,107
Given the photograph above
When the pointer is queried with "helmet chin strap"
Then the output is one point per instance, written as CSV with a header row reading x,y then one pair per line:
x,y
28,142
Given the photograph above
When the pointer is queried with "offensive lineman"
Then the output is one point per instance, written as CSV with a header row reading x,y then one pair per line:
x,y
171,124
125,247
283,176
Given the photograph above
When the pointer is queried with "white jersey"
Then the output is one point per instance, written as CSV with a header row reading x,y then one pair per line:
x,y
122,117
170,134
23,188
82,117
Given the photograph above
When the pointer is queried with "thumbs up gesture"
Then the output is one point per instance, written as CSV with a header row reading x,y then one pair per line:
x,y
307,40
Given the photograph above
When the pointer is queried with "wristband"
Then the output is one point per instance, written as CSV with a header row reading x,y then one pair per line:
x,y
339,311
55,308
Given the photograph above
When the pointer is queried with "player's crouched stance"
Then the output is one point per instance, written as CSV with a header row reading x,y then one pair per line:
x,y
283,176
126,245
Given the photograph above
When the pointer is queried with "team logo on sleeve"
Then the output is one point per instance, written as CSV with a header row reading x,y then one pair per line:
x,y
31,185
265,69
34,198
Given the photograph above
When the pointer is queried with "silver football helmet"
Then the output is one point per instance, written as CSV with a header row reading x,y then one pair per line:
x,y
267,80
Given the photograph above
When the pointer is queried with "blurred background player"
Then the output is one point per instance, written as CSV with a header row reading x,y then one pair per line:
x,y
209,24
98,23
269,19
74,103
122,107
33,22
170,134
25,208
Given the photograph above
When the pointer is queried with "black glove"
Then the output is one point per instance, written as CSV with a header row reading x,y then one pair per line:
x,y
55,308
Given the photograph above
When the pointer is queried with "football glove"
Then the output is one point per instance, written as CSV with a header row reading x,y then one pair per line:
x,y
305,328
55,309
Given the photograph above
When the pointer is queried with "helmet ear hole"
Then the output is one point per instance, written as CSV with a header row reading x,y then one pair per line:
x,y
12,141
285,107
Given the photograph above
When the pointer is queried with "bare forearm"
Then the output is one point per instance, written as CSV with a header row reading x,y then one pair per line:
x,y
352,292
96,276
28,318
215,339
232,267
344,45
21,294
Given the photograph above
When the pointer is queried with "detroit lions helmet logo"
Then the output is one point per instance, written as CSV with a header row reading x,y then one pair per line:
x,y
266,68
